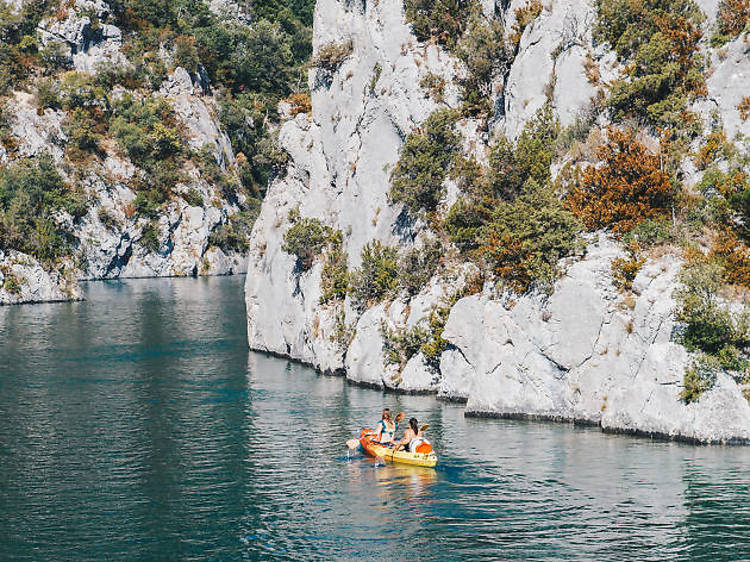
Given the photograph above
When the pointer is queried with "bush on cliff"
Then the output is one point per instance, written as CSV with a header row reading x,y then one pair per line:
x,y
334,277
441,20
377,277
709,324
657,40
733,18
32,192
700,377
306,240
526,237
418,265
482,49
626,188
424,163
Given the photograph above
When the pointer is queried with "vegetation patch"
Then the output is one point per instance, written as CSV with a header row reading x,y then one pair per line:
x,y
526,237
732,19
306,239
443,21
657,40
627,187
334,277
424,163
32,193
377,276
624,270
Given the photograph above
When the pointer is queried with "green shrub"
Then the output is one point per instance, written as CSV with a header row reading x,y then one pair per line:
x,y
482,49
150,237
435,86
259,153
658,41
47,95
424,163
624,270
18,47
332,55
708,325
512,165
732,19
186,54
418,265
526,237
377,277
193,197
443,20
700,377
334,277
306,240
10,283
402,344
32,192
651,232
234,236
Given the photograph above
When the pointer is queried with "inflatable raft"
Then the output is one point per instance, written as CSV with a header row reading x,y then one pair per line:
x,y
424,457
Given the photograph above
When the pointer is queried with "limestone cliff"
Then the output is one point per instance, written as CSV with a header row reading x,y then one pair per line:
x,y
584,353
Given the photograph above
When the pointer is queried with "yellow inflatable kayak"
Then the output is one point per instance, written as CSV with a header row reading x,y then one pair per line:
x,y
426,457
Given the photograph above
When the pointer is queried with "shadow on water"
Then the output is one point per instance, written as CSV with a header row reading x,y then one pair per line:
x,y
136,424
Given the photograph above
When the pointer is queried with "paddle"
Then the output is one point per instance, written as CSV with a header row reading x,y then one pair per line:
x,y
424,427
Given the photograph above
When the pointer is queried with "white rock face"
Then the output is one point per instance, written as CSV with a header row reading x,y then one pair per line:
x,y
198,114
550,61
88,43
728,84
342,156
585,353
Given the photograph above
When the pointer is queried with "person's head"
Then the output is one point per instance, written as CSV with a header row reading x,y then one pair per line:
x,y
414,424
387,414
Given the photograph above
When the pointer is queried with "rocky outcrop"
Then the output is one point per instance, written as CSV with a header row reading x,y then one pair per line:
x,y
84,36
585,353
23,280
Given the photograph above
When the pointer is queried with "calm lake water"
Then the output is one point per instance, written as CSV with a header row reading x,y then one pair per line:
x,y
137,425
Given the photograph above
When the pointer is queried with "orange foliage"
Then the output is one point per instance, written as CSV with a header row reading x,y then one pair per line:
x,y
733,16
734,254
525,15
626,188
300,103
744,108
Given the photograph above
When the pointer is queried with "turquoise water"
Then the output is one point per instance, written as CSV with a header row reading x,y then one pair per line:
x,y
137,425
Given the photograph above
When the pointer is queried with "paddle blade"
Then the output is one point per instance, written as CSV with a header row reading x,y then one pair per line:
x,y
352,443
424,427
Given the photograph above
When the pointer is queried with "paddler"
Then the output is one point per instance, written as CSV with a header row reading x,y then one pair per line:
x,y
413,437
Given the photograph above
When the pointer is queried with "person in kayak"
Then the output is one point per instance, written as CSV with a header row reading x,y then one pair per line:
x,y
387,427
412,437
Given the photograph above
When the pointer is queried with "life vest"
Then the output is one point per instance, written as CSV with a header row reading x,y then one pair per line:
x,y
420,445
